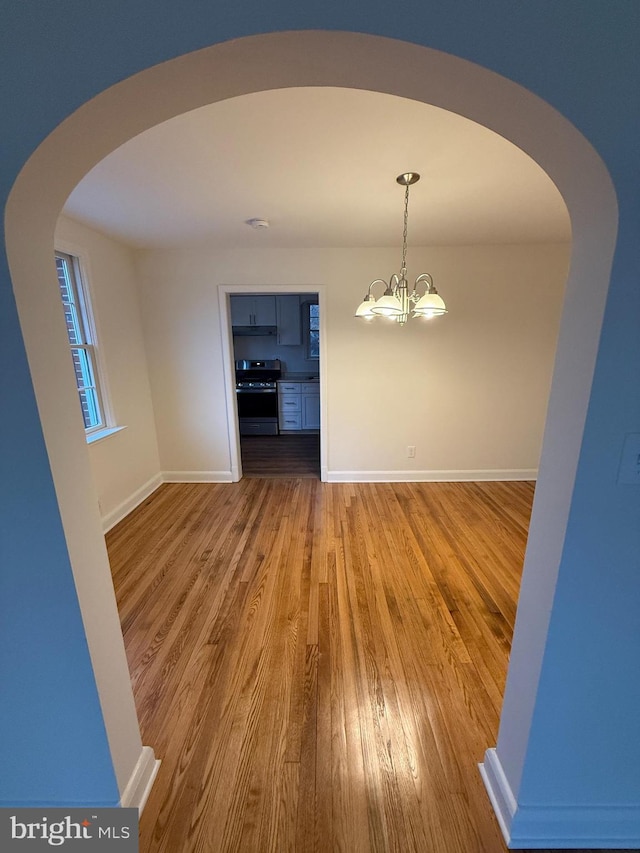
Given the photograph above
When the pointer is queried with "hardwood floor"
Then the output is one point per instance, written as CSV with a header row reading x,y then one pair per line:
x,y
320,666
281,455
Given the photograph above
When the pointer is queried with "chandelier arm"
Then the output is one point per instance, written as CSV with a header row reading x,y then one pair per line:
x,y
377,281
425,277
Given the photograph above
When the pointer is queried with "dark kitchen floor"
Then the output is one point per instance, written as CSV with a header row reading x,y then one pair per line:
x,y
281,455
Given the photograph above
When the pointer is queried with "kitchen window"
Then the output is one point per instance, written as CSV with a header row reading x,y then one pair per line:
x,y
311,326
82,341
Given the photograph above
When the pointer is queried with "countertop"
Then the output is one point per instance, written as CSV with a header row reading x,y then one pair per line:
x,y
299,377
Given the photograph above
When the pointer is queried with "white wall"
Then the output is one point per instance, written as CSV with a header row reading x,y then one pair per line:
x,y
469,390
125,465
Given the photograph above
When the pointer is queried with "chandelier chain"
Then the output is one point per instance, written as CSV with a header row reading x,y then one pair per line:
x,y
403,271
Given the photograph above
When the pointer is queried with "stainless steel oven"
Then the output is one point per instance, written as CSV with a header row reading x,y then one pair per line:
x,y
257,396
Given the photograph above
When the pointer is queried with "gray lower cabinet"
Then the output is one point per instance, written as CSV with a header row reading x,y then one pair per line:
x,y
298,405
310,401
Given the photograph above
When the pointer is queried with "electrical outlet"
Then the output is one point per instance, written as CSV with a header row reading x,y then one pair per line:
x,y
629,471
411,451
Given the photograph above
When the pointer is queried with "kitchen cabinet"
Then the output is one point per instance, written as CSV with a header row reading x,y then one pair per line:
x,y
253,310
289,406
298,405
310,404
288,314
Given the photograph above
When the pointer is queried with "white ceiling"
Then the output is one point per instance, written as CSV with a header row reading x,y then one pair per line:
x,y
320,164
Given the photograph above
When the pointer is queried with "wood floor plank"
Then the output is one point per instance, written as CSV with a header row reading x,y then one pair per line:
x,y
320,666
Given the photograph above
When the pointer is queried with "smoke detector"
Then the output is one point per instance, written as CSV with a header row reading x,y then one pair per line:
x,y
258,223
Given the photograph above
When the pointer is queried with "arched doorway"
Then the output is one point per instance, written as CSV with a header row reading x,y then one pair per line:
x,y
276,61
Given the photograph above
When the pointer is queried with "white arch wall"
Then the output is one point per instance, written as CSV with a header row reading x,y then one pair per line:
x,y
307,59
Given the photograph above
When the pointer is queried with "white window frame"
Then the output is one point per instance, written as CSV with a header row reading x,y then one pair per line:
x,y
80,283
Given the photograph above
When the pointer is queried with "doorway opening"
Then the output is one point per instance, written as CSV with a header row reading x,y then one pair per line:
x,y
276,353
273,354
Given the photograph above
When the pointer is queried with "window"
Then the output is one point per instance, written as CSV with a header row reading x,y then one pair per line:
x,y
80,331
311,317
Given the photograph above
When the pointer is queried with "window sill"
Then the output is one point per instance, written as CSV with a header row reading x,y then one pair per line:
x,y
94,437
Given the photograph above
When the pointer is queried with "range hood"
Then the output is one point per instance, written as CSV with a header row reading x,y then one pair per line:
x,y
252,331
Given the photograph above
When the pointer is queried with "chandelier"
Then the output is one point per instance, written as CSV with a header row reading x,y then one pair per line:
x,y
397,303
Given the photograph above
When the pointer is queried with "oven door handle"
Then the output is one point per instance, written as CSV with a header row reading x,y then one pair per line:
x,y
255,391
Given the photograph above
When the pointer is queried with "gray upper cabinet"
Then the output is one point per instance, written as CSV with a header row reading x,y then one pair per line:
x,y
288,313
253,310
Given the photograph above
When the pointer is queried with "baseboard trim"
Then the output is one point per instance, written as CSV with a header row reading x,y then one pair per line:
x,y
566,827
499,790
197,476
122,510
137,791
454,476
546,826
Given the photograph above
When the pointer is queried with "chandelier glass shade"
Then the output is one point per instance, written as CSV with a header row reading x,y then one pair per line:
x,y
398,302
